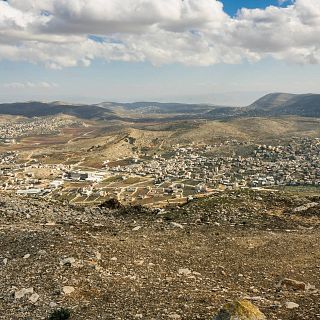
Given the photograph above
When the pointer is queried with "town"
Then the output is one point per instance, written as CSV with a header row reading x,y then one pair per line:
x,y
174,177
10,131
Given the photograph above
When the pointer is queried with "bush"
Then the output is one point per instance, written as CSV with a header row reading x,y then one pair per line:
x,y
61,314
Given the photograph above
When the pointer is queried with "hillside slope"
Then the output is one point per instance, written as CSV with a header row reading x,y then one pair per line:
x,y
134,264
39,109
271,101
280,104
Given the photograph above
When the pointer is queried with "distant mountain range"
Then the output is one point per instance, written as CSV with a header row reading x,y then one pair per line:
x,y
271,105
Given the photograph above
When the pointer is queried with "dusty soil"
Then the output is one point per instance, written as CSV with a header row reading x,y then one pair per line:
x,y
180,264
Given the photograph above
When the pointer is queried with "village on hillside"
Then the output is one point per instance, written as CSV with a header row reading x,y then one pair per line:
x,y
174,177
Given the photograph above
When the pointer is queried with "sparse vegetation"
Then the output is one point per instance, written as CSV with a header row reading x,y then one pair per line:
x,y
242,241
60,314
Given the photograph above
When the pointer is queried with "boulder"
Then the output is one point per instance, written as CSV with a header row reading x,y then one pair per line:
x,y
294,284
112,204
312,207
240,310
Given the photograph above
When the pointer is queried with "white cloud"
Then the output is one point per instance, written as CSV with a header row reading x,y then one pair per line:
x,y
57,33
281,2
30,85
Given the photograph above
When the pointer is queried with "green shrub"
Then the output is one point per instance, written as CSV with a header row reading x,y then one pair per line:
x,y
60,314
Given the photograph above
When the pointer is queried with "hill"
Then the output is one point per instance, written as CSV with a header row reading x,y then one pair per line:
x,y
280,104
131,263
160,108
271,101
270,105
40,109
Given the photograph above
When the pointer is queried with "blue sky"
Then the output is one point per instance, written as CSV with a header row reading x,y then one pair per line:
x,y
211,64
232,6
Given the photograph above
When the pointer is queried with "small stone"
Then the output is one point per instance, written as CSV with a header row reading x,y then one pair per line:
x,y
291,305
139,262
26,256
98,255
5,261
138,316
174,316
68,289
136,228
114,259
52,304
184,271
68,261
42,252
256,298
177,225
254,290
34,298
21,293
50,224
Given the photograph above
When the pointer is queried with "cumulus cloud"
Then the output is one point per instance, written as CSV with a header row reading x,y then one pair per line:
x,y
68,33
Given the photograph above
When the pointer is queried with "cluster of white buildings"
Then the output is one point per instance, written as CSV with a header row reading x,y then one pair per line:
x,y
297,163
11,130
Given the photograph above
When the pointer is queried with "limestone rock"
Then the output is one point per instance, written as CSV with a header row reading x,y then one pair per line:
x,y
240,310
294,284
67,261
21,293
291,305
184,271
68,289
305,207
34,297
177,225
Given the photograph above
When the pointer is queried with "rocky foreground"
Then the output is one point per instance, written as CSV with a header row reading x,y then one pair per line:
x,y
60,262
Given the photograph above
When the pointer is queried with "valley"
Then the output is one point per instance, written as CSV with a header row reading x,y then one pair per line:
x,y
155,163
158,213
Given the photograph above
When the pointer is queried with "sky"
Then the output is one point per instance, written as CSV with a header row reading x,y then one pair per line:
x,y
227,52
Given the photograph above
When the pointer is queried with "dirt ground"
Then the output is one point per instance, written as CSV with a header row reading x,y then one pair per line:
x,y
180,264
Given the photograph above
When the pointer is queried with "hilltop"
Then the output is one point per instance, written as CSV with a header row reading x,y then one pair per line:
x,y
42,109
181,263
280,104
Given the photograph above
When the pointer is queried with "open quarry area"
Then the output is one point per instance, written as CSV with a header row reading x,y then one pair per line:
x,y
116,262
